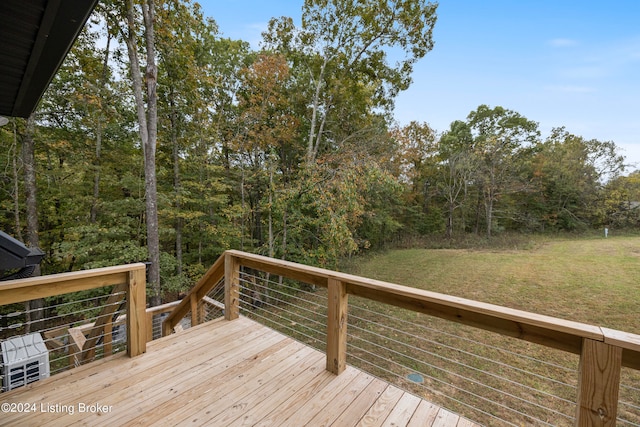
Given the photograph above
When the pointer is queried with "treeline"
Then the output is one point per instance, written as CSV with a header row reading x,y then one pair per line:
x,y
290,151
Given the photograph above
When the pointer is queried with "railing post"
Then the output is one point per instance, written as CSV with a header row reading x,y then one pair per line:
x,y
136,313
598,384
231,287
194,310
337,326
150,326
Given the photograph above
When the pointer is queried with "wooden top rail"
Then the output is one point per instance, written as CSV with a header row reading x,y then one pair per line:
x,y
130,277
214,275
20,290
549,331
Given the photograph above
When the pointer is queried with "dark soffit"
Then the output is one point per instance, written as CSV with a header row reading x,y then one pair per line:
x,y
35,37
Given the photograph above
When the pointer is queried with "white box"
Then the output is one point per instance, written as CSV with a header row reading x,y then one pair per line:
x,y
25,359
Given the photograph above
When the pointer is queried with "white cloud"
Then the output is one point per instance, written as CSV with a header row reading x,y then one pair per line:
x,y
562,42
603,60
570,89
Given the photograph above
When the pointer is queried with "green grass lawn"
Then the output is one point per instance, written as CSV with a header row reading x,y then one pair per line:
x,y
594,281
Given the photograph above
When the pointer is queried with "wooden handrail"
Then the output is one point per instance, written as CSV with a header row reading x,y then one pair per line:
x,y
13,291
602,351
549,331
552,332
214,275
131,276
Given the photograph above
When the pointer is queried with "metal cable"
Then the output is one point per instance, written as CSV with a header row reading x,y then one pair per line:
x,y
544,362
454,374
627,422
491,374
276,301
287,303
311,338
322,324
439,393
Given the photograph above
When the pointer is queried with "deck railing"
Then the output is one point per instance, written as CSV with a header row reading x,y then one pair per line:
x,y
602,352
75,330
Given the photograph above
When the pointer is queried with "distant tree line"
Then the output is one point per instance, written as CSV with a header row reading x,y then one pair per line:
x,y
161,140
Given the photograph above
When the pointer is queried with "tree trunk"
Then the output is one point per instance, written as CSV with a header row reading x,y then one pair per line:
x,y
151,192
148,134
284,242
489,213
96,175
176,186
243,208
490,198
97,162
16,183
34,308
315,136
271,243
478,209
450,221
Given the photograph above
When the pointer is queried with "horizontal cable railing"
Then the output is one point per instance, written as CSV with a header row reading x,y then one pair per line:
x,y
53,323
485,377
64,329
155,317
494,365
289,307
629,400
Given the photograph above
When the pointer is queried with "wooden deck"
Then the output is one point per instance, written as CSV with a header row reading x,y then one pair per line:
x,y
219,374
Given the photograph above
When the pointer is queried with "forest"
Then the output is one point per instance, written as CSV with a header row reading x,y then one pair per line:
x,y
159,140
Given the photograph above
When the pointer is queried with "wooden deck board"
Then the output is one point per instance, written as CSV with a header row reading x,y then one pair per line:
x,y
221,374
156,399
425,414
255,389
302,407
403,411
364,396
382,407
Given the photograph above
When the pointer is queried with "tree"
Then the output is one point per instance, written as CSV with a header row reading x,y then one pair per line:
x,y
458,165
572,172
268,128
10,200
183,42
417,159
343,48
622,202
34,308
499,138
148,122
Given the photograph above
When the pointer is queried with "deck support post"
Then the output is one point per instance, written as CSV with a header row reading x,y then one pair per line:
x,y
231,287
136,312
337,326
598,384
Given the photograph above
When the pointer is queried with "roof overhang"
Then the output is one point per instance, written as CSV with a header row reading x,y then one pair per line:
x,y
35,37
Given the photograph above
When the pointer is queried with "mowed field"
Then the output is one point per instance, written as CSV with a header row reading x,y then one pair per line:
x,y
590,280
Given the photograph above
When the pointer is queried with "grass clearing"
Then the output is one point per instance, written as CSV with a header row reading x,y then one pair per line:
x,y
593,280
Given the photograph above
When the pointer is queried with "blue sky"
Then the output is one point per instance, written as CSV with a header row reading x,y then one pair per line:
x,y
558,62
